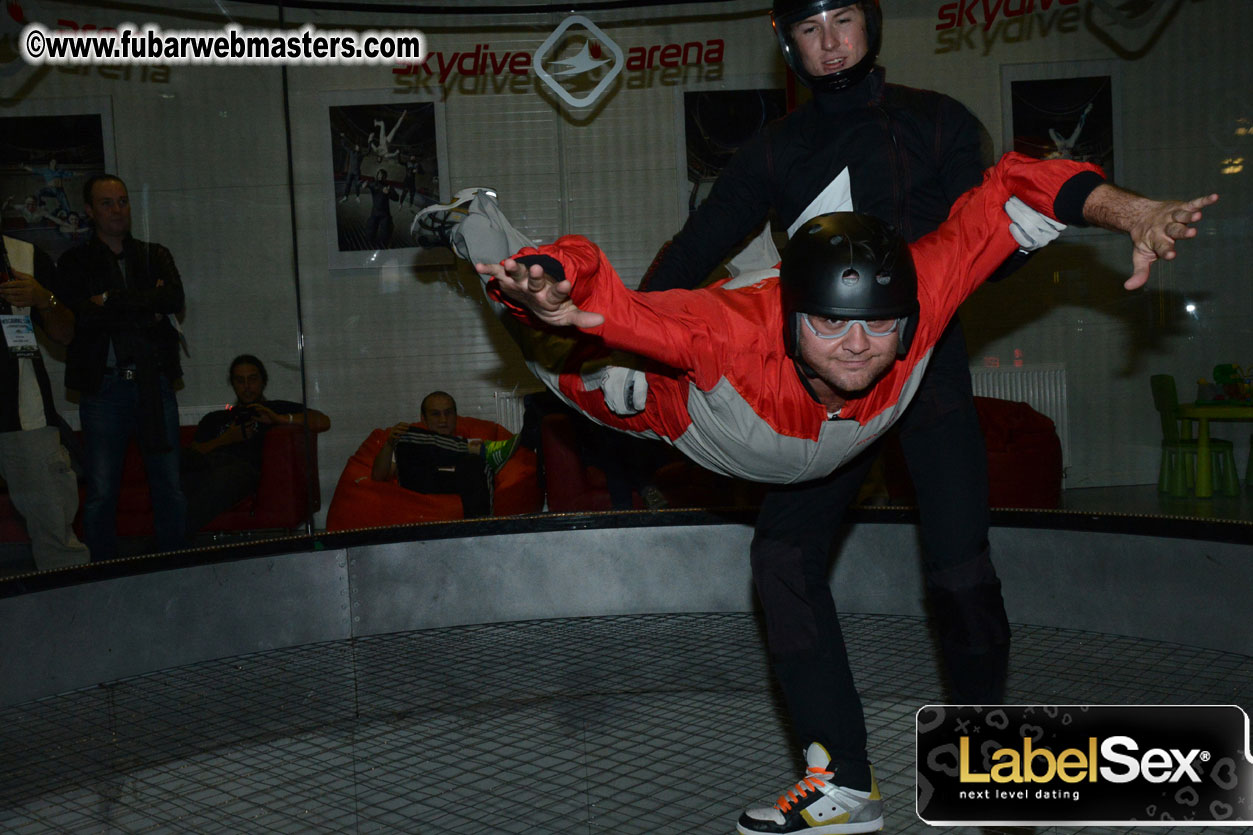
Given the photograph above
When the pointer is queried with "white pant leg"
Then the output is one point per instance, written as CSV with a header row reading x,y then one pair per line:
x,y
44,490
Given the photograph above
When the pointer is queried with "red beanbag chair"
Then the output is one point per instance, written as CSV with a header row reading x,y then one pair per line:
x,y
361,502
1024,455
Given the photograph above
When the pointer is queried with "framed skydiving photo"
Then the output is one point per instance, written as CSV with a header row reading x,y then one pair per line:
x,y
715,123
1065,110
48,149
712,124
387,162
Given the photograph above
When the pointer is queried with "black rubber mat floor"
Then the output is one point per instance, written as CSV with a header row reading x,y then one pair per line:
x,y
650,724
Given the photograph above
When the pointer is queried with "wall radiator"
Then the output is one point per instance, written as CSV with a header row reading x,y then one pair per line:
x,y
509,408
1042,387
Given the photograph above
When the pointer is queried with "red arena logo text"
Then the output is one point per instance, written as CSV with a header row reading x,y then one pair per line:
x,y
985,12
983,25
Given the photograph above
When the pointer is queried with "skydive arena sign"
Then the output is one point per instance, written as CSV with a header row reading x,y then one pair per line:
x,y
578,63
1084,765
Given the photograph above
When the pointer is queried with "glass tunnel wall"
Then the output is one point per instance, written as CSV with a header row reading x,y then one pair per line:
x,y
246,174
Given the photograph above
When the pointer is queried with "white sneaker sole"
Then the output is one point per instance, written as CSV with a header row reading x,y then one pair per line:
x,y
461,198
828,829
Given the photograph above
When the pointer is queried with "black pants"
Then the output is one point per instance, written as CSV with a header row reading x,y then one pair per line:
x,y
427,462
629,463
352,180
409,188
791,553
378,230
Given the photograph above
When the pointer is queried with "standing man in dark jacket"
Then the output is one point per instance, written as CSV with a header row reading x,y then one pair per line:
x,y
124,362
902,155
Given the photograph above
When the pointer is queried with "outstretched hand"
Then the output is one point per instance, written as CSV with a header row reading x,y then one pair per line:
x,y
1155,231
539,292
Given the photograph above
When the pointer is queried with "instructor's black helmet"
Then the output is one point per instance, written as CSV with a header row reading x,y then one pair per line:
x,y
787,12
844,265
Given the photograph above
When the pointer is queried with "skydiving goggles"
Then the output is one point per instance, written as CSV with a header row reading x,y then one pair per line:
x,y
825,327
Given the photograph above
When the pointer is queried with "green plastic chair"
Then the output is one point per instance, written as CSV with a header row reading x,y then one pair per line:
x,y
1231,374
1248,465
1177,473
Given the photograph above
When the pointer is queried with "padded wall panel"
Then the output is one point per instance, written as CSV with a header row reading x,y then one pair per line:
x,y
1183,591
75,636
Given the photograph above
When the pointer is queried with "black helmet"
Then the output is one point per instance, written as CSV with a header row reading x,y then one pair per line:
x,y
847,266
786,12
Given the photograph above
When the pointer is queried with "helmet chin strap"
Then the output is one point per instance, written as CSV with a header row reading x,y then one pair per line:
x,y
805,371
839,81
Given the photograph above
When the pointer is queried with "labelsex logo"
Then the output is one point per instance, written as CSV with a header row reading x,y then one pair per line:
x,y
584,61
1073,765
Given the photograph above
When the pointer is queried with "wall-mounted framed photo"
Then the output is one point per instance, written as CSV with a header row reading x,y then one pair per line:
x,y
48,149
387,161
714,123
1069,110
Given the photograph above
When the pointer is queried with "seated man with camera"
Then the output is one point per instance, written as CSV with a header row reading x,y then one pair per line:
x,y
222,465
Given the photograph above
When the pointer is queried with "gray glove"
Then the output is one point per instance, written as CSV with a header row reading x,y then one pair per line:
x,y
625,389
1030,229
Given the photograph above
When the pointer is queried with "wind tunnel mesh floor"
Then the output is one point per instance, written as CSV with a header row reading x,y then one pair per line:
x,y
646,724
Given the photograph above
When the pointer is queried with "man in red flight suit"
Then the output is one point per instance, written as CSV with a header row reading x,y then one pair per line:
x,y
786,375
724,386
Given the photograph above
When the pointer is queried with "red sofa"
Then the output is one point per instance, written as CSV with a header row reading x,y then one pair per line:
x,y
361,502
283,499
